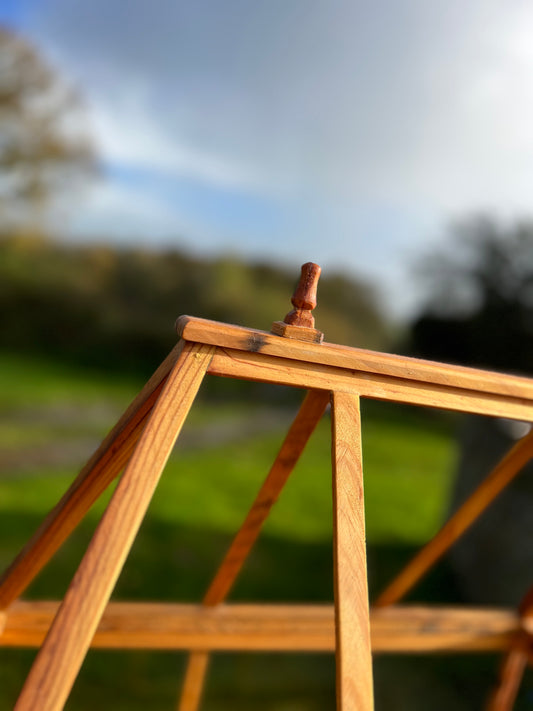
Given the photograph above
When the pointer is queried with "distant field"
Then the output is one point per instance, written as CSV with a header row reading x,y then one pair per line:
x,y
51,418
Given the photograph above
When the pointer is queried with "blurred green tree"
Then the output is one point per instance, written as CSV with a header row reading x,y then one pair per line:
x,y
481,313
44,144
480,310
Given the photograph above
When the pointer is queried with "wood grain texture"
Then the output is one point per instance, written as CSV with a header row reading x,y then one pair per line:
x,y
352,628
514,461
402,629
269,369
413,629
294,444
58,662
101,469
357,359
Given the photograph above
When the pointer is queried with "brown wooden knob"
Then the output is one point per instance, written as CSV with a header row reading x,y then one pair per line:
x,y
299,323
304,298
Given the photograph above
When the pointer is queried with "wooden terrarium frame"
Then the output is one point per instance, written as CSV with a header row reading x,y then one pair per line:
x,y
140,443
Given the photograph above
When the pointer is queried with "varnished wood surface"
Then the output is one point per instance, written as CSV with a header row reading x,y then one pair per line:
x,y
105,464
270,369
352,628
304,298
59,659
514,461
356,359
286,628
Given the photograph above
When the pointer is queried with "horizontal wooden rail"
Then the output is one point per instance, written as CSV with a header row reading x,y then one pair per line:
x,y
284,628
270,369
357,359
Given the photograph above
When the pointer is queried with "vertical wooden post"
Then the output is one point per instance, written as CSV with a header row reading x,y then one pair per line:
x,y
352,626
60,658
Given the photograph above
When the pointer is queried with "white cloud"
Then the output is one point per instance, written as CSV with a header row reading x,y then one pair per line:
x,y
408,102
418,109
141,142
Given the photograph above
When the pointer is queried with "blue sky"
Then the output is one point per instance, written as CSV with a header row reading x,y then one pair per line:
x,y
347,133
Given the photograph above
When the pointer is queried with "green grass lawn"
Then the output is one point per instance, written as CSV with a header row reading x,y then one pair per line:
x,y
50,420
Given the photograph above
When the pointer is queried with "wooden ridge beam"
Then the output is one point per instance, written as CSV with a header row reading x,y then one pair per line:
x,y
358,359
260,628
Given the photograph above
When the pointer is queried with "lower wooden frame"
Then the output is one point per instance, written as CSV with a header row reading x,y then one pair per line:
x,y
271,628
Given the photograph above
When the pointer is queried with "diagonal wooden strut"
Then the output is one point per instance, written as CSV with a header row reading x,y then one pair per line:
x,y
297,437
292,448
513,462
105,464
511,673
515,661
352,627
58,662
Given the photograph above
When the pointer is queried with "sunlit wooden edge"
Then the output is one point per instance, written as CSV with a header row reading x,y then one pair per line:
x,y
252,627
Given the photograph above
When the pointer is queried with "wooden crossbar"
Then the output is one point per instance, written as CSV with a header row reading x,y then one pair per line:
x,y
261,628
257,366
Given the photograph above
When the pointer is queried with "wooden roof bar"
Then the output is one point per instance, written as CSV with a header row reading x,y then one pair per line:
x,y
353,359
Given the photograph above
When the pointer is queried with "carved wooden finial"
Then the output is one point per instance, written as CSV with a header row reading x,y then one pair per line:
x,y
300,323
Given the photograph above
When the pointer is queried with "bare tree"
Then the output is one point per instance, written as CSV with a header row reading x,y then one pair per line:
x,y
44,147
